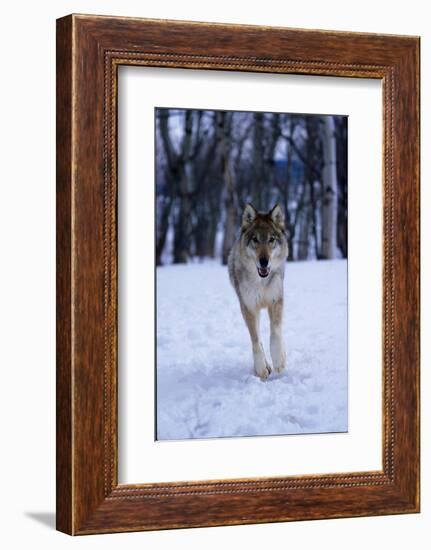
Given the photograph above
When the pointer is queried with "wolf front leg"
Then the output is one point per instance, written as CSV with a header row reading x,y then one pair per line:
x,y
261,365
278,354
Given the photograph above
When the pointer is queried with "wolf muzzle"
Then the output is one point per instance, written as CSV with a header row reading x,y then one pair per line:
x,y
263,268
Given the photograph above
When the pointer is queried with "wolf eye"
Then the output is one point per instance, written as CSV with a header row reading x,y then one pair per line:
x,y
255,239
272,240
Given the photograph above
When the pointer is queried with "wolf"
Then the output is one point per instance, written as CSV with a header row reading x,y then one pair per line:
x,y
256,265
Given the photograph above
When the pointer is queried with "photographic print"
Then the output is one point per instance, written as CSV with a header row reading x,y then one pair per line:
x,y
251,273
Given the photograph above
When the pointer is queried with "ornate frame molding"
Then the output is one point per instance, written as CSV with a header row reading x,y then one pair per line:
x,y
89,499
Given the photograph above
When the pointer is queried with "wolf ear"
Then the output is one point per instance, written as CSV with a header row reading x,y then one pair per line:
x,y
249,215
277,216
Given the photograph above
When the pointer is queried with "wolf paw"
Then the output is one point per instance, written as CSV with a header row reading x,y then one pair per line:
x,y
261,366
263,370
279,361
280,368
265,373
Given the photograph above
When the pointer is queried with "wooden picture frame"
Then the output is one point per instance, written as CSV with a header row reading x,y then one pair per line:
x,y
89,51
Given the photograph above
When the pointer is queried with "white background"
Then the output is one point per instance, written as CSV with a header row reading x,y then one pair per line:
x,y
27,273
141,458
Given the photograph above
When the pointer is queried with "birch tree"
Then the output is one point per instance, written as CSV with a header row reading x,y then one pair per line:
x,y
285,189
342,222
224,123
304,223
258,166
330,187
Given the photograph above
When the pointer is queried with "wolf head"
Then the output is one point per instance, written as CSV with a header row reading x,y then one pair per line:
x,y
262,234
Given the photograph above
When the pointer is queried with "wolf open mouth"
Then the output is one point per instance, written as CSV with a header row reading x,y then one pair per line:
x,y
263,271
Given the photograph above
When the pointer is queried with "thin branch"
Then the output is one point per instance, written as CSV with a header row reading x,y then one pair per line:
x,y
301,157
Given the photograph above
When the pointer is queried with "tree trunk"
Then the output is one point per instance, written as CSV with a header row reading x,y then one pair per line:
x,y
182,232
290,225
171,174
187,186
224,127
257,183
330,188
211,238
163,227
269,171
304,225
341,132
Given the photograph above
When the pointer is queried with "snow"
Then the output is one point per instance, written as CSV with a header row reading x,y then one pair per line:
x,y
205,381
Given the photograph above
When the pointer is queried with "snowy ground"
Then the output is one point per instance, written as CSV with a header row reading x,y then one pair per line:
x,y
205,381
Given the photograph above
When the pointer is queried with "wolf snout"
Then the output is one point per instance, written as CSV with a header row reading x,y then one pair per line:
x,y
263,267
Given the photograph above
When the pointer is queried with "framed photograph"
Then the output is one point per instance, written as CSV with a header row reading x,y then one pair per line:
x,y
237,274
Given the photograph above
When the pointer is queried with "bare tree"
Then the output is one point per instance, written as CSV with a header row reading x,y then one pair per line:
x,y
181,177
258,172
171,173
342,225
273,134
224,123
330,199
207,202
304,223
186,188
313,171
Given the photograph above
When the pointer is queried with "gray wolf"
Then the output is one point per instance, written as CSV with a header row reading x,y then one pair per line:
x,y
256,270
